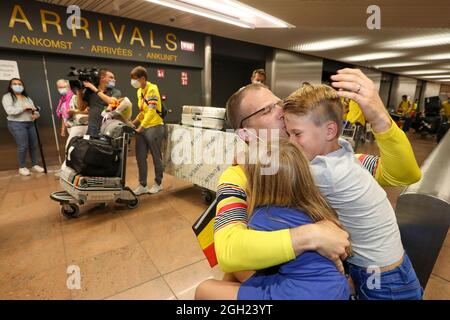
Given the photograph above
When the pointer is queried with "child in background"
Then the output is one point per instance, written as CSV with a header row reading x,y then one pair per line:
x,y
313,120
287,199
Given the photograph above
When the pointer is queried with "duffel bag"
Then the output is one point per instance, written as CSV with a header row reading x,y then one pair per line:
x,y
95,158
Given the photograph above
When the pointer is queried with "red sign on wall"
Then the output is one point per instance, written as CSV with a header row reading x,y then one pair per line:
x,y
160,73
184,78
187,46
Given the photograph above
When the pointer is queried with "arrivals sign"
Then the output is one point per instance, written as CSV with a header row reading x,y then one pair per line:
x,y
37,26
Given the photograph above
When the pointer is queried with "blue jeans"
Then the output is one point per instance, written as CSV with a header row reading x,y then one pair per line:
x,y
400,283
93,130
26,138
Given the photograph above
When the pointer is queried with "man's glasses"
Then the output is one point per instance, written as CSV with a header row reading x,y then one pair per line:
x,y
266,110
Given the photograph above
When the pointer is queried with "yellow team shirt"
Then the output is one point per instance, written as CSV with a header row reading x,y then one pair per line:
x,y
404,107
345,110
355,113
446,106
239,248
148,117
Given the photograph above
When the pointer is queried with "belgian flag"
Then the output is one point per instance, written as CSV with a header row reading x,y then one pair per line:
x,y
204,231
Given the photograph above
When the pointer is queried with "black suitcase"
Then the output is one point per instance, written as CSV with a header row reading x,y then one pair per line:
x,y
95,157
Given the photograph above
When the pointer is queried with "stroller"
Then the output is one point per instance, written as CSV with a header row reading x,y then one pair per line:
x,y
87,189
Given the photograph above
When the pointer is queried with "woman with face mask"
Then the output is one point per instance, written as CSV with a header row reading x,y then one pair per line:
x,y
62,111
21,116
74,120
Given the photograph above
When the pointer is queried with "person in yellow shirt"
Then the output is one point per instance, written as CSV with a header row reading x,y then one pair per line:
x,y
446,108
238,248
355,115
345,103
409,116
150,130
405,106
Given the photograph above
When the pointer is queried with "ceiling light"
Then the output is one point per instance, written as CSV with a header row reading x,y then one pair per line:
x,y
437,76
329,44
418,42
228,11
243,8
374,56
400,64
441,56
419,72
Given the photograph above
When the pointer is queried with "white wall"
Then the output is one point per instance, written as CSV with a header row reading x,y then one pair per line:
x,y
400,87
287,71
432,89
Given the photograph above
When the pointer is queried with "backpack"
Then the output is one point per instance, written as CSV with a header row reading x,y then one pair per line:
x,y
93,157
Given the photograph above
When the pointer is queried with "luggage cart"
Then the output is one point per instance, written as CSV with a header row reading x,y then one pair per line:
x,y
80,190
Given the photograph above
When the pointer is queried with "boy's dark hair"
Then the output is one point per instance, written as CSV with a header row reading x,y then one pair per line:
x,y
139,72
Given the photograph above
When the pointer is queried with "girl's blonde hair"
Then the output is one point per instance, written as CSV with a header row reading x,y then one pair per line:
x,y
292,186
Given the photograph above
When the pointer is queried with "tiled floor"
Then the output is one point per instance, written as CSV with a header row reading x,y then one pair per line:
x,y
146,253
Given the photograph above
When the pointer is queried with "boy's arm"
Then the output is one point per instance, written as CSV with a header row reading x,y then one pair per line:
x,y
397,165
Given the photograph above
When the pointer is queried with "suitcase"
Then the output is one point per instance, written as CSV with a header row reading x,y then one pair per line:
x,y
204,174
203,117
90,189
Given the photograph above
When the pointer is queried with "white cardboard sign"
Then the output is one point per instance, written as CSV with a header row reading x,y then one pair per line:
x,y
8,70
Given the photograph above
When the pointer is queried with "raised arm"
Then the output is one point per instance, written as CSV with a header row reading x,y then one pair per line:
x,y
397,165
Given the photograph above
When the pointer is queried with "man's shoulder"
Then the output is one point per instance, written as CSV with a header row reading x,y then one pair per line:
x,y
234,175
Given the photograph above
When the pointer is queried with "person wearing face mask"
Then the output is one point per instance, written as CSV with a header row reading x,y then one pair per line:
x,y
66,96
73,120
22,113
150,129
258,76
97,99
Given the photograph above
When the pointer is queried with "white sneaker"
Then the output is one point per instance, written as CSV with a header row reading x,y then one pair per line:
x,y
24,172
140,190
38,169
155,188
